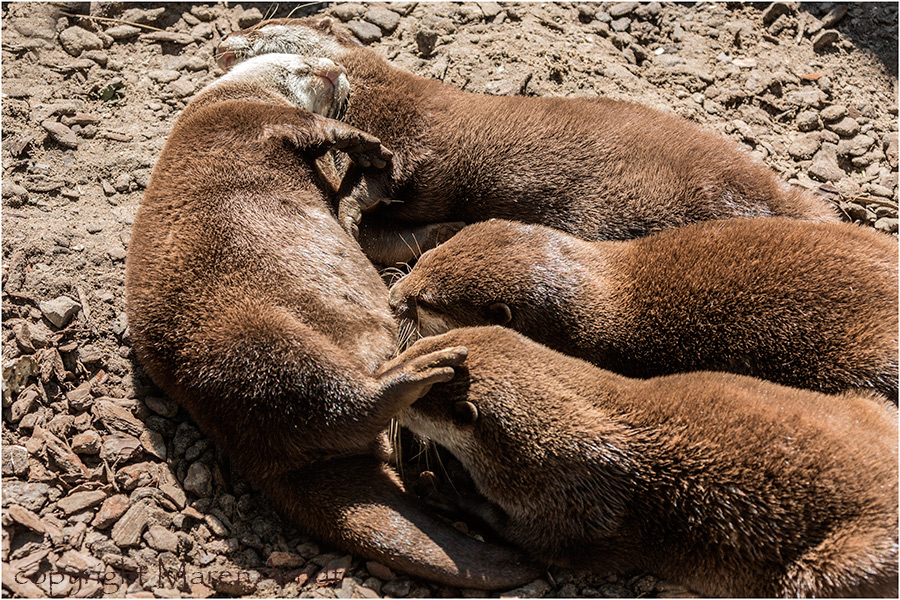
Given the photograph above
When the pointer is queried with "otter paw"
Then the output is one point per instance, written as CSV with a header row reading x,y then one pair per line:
x,y
361,147
349,216
408,381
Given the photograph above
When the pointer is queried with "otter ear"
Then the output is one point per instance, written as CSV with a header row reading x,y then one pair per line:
x,y
465,412
498,313
325,24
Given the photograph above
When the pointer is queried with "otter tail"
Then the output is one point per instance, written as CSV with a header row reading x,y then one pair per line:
x,y
358,504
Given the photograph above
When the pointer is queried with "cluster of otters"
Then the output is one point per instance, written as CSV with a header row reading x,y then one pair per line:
x,y
647,351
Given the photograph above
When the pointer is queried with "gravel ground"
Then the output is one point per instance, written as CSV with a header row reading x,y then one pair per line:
x,y
108,487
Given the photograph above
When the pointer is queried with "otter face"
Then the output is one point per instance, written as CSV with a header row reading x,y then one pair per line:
x,y
440,294
318,85
308,37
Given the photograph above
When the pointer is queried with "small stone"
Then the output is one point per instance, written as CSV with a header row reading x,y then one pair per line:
x,y
88,442
80,398
154,444
198,480
240,584
249,18
61,134
621,25
535,589
586,11
825,39
77,563
365,32
162,406
833,112
66,460
426,39
32,496
117,418
76,40
855,211
120,448
160,538
386,19
804,147
308,550
15,460
182,87
59,311
333,571
491,9
376,569
110,511
398,587
163,75
284,560
137,475
775,10
808,120
216,525
122,32
846,127
80,501
127,531
825,168
856,146
348,11
620,9
25,517
887,224
172,37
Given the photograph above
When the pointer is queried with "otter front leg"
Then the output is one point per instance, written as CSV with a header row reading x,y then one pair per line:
x,y
401,384
391,244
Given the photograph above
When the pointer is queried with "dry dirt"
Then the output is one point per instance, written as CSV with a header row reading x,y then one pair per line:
x,y
108,481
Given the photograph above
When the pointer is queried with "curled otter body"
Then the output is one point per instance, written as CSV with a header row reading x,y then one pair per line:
x,y
252,307
811,305
595,168
727,484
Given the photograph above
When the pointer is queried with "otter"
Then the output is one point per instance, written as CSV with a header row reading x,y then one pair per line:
x,y
599,169
255,310
726,484
811,305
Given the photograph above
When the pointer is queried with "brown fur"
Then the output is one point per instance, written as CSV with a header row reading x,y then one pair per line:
x,y
726,484
812,305
595,168
258,313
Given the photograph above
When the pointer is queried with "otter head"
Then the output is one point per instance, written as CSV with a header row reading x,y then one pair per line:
x,y
491,273
309,37
317,85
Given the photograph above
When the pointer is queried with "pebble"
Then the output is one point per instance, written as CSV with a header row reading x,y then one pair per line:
x,y
117,418
364,31
620,9
77,563
347,11
161,406
160,538
376,569
535,589
825,39
182,39
198,480
137,475
110,511
426,39
88,442
163,75
776,10
825,168
846,127
128,529
15,460
25,517
144,16
120,448
123,32
249,18
804,147
32,496
887,224
182,87
76,40
808,120
857,146
284,560
398,587
833,112
60,134
386,19
60,310
80,501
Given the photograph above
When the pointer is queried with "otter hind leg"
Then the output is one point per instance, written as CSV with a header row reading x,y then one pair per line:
x,y
358,504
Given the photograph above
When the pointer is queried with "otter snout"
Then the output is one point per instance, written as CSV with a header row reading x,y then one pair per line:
x,y
402,305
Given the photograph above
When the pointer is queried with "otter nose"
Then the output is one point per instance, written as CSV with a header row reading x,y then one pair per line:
x,y
395,296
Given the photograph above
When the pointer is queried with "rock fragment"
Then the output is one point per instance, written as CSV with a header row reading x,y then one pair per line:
x,y
76,40
825,39
60,310
110,511
127,530
80,501
364,31
386,19
198,480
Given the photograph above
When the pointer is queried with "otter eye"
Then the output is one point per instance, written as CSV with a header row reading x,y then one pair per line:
x,y
465,412
425,303
498,313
